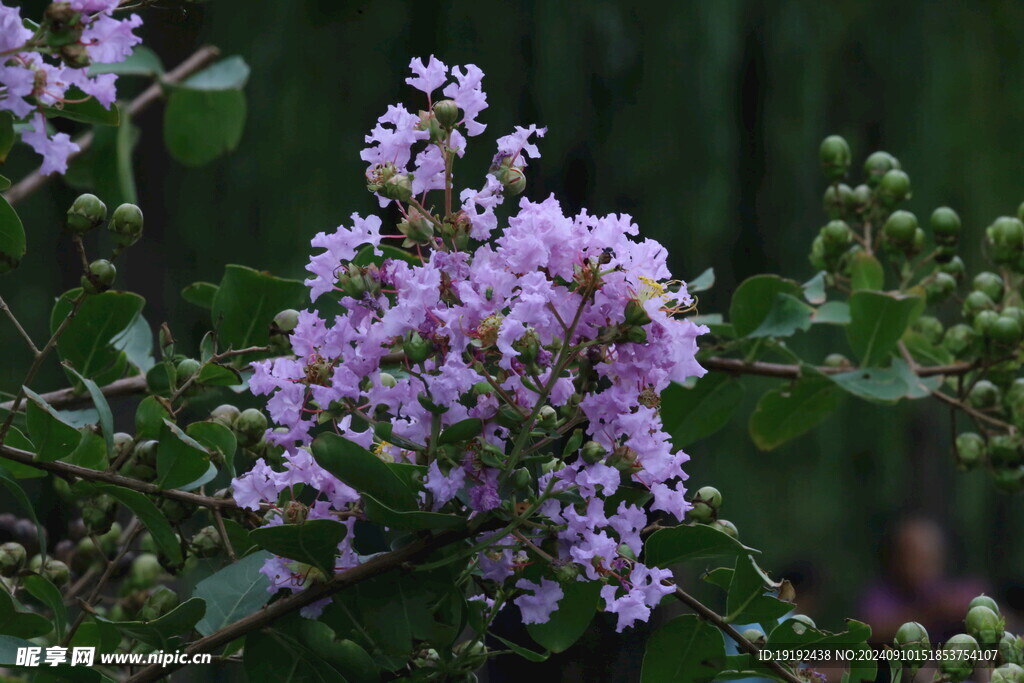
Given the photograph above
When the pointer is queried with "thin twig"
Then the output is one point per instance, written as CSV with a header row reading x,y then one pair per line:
x,y
219,519
21,330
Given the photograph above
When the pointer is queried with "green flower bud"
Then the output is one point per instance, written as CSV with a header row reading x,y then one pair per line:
x,y
945,225
56,571
1007,232
161,601
709,495
983,601
416,348
861,198
975,302
637,335
955,267
593,452
12,559
225,414
835,157
836,236
1008,479
817,255
186,367
528,346
99,277
1005,330
145,570
984,625
900,227
547,418
86,213
447,113
1011,649
930,328
175,511
804,619
360,282
206,542
959,340
635,313
387,380
513,180
623,458
837,360
984,321
957,666
1004,450
566,572
913,637
417,228
989,283
984,395
124,444
877,165
521,479
727,527
398,187
110,539
893,188
1007,673
755,636
970,450
126,224
99,513
145,452
838,201
251,422
286,320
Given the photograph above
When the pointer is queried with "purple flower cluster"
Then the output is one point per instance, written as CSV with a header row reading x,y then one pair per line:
x,y
39,66
553,330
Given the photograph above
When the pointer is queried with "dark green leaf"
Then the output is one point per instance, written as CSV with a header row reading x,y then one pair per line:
x,y
167,632
234,592
137,344
247,301
526,653
201,125
693,414
683,650
99,401
20,623
314,542
721,577
180,459
785,413
300,650
12,237
89,110
91,452
924,352
462,431
215,437
413,520
53,437
7,134
877,321
753,300
213,375
570,620
747,601
9,646
866,272
141,62
5,182
15,470
88,340
685,543
43,590
149,419
363,471
159,528
787,315
887,385
200,294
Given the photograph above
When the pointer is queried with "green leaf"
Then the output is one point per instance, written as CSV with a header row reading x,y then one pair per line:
x,y
19,623
12,238
795,633
9,646
300,649
5,182
99,401
91,452
877,321
414,520
87,111
167,632
227,74
866,272
53,437
832,313
201,125
15,439
14,487
314,542
43,590
685,543
753,300
570,620
787,412
234,592
887,385
149,419
814,289
180,459
215,437
363,471
200,294
141,62
88,340
787,315
159,528
463,430
702,282
524,652
213,375
690,415
137,344
924,352
683,650
7,134
247,301
746,601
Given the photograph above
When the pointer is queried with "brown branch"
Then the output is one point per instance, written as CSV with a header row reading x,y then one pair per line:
x,y
709,615
741,367
375,566
199,59
66,398
67,470
976,414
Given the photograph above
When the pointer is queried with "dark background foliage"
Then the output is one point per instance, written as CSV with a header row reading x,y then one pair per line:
x,y
701,119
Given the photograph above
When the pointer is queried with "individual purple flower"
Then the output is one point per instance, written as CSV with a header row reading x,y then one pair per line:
x,y
469,95
537,608
55,150
429,77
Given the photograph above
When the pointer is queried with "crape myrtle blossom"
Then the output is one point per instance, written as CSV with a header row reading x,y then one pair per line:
x,y
49,67
553,334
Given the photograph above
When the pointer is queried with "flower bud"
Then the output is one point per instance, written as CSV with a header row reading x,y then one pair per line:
x,y
726,527
206,542
513,180
940,288
12,559
287,320
416,348
175,511
1007,232
145,570
984,321
99,513
592,452
225,414
623,458
959,664
528,346
75,55
970,450
912,637
836,237
398,187
521,479
893,188
955,267
835,157
817,255
877,165
900,227
838,201
1008,479
417,228
1011,649
959,340
126,224
945,225
837,360
930,328
161,601
360,282
984,394
990,283
635,313
975,302
1004,450
56,571
186,367
1007,673
100,276
1005,331
566,572
447,113
251,422
984,625
145,452
547,418
983,601
86,213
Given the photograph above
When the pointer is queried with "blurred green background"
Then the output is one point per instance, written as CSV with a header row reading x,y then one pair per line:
x,y
701,119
